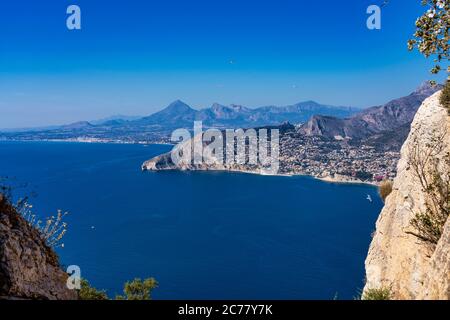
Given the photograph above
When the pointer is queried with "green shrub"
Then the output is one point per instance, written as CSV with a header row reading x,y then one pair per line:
x,y
445,96
377,294
133,290
385,189
138,289
89,293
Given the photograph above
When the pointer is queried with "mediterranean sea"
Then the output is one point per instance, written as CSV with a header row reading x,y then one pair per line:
x,y
202,235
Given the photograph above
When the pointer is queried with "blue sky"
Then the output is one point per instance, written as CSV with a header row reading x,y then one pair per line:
x,y
135,57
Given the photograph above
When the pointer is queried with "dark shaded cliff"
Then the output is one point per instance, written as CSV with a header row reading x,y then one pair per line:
x,y
29,269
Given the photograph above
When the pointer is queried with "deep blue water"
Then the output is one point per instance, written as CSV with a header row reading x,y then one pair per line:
x,y
204,235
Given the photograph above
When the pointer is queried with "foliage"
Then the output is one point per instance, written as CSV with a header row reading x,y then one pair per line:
x,y
377,294
138,289
432,168
133,290
430,224
445,96
432,32
89,293
385,189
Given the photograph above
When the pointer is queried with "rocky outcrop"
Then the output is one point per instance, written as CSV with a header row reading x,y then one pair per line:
x,y
164,163
397,258
29,269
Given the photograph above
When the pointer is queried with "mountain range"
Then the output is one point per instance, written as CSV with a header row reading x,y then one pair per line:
x,y
178,114
388,123
393,115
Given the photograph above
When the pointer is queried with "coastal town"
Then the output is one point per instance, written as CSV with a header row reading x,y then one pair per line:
x,y
335,159
331,159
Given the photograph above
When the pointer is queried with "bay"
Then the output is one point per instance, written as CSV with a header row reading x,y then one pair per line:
x,y
202,235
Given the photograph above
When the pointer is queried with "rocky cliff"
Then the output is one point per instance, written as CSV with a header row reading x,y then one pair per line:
x,y
398,259
29,269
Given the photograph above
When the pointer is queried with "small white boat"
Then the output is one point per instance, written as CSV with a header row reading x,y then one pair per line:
x,y
369,198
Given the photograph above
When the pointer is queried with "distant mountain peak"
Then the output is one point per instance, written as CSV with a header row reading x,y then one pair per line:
x,y
115,119
178,105
216,105
176,113
308,102
238,107
77,125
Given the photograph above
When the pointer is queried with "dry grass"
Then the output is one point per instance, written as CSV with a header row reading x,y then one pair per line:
x,y
385,189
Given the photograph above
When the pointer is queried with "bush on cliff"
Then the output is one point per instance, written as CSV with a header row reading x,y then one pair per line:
x,y
133,290
431,166
385,189
445,96
90,293
377,294
138,289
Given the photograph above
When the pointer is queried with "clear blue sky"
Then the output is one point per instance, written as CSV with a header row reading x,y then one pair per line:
x,y
134,57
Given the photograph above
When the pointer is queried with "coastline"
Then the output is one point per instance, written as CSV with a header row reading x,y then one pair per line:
x,y
338,179
329,179
345,179
87,141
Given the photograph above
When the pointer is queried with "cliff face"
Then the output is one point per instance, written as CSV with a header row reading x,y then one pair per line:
x,y
397,258
29,269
